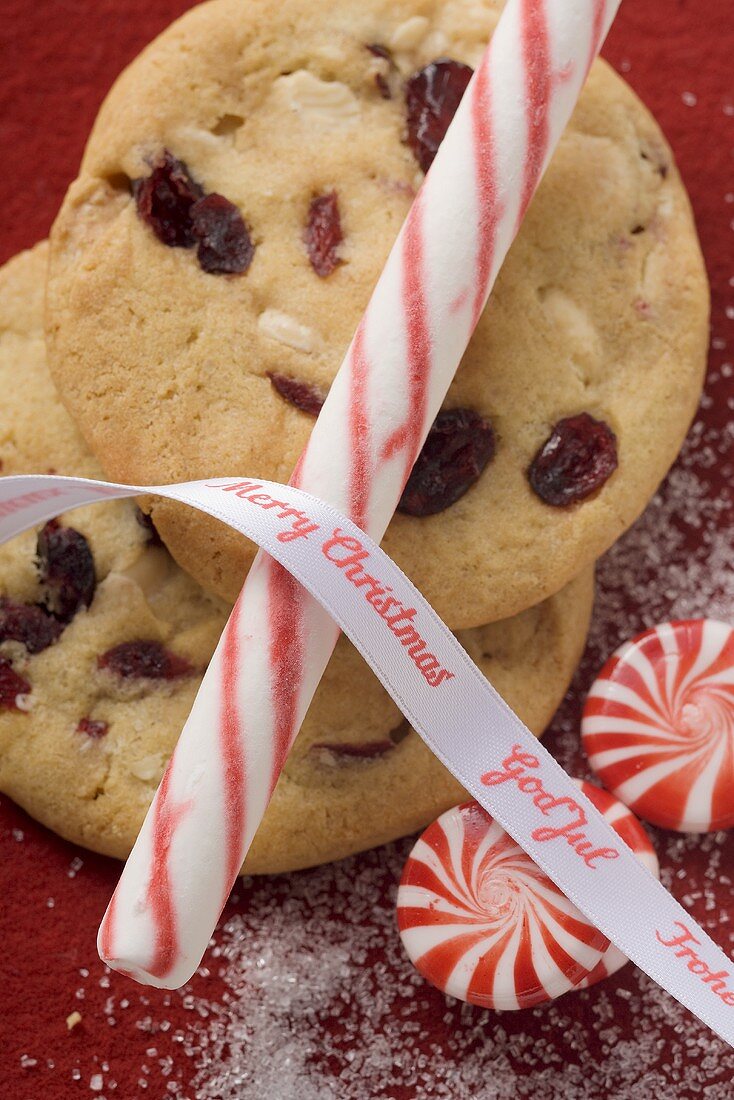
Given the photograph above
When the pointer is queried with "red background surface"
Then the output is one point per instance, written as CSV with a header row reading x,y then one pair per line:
x,y
57,59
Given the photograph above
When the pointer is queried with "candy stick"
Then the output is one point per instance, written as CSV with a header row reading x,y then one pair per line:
x,y
381,405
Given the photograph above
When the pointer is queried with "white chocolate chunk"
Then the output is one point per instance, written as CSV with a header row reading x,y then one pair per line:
x,y
149,767
286,330
409,34
328,102
436,44
579,330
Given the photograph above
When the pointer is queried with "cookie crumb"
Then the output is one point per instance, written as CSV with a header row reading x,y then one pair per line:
x,y
74,867
73,1019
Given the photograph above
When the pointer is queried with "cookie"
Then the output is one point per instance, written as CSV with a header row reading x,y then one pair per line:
x,y
241,189
91,708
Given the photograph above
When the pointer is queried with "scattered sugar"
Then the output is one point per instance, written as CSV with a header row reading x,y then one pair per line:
x,y
328,1010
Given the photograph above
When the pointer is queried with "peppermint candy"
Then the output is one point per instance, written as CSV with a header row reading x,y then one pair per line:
x,y
481,921
658,725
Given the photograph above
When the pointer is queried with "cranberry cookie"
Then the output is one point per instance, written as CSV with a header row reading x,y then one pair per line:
x,y
103,640
242,186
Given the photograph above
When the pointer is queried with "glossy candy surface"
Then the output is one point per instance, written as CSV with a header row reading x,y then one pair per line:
x,y
658,725
482,922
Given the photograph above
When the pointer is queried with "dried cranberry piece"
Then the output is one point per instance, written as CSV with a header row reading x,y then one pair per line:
x,y
146,522
144,660
323,233
303,395
575,461
360,750
164,200
459,446
182,215
432,96
11,686
32,626
225,246
66,569
92,727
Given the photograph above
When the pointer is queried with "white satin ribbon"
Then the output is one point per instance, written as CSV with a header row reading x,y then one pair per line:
x,y
453,707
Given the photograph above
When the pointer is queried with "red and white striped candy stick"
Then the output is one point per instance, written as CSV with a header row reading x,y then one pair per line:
x,y
383,401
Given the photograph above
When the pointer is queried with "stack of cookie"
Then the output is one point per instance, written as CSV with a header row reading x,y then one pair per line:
x,y
239,194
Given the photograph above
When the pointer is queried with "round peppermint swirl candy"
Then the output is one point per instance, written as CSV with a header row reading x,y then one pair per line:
x,y
658,725
626,825
480,920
